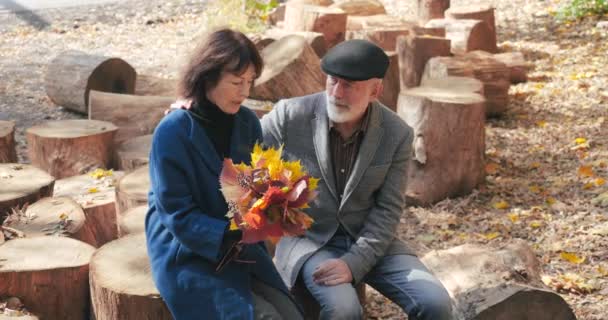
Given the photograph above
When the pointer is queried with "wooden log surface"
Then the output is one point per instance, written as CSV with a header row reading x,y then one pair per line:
x,y
22,184
360,7
72,74
132,221
49,274
481,12
147,85
133,153
331,22
465,35
66,148
132,190
414,52
431,9
8,153
316,40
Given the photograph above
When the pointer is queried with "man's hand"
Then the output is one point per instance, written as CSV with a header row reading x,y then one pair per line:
x,y
332,272
179,104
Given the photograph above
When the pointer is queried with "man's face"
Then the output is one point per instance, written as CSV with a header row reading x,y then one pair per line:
x,y
347,100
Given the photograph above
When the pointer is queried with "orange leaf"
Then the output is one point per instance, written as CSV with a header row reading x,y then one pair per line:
x,y
492,168
585,171
600,182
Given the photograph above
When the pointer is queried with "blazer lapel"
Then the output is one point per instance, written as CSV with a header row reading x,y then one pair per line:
x,y
367,151
320,129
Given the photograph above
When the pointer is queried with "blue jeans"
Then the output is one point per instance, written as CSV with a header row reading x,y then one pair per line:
x,y
401,278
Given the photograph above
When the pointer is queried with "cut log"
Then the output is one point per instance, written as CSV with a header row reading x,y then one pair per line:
x,y
484,13
360,7
277,15
414,52
466,35
331,22
133,115
385,38
121,281
133,153
458,84
154,86
72,74
49,274
515,61
324,3
380,21
487,283
432,9
8,153
132,190
22,184
132,221
449,142
316,40
20,317
259,107
96,194
66,148
494,75
390,93
292,69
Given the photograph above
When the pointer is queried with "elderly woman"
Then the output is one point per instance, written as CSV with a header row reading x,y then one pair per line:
x,y
186,228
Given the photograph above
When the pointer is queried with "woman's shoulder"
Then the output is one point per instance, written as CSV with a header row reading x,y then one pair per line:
x,y
177,121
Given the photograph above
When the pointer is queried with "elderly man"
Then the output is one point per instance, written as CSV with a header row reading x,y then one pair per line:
x,y
361,150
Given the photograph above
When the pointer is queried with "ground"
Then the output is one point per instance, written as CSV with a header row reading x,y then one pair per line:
x,y
547,155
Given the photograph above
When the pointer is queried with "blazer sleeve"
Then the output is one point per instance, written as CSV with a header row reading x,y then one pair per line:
x,y
380,225
170,167
273,125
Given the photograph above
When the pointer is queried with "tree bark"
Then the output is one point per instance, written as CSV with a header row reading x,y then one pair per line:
x,y
449,142
465,35
432,9
515,61
132,221
22,184
72,74
48,274
132,190
97,197
316,40
292,69
133,153
484,13
331,22
496,284
154,86
360,7
133,115
121,282
8,153
414,52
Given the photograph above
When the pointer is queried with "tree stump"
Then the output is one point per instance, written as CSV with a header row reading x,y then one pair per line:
x,y
292,69
331,22
360,7
49,274
390,93
132,190
66,148
22,184
458,84
385,38
465,35
72,74
316,40
155,86
493,74
122,287
133,115
132,221
515,61
324,3
96,194
432,9
484,13
495,284
414,52
133,153
8,153
22,317
449,142
379,21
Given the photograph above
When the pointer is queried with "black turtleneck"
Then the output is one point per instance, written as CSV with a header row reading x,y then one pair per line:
x,y
218,125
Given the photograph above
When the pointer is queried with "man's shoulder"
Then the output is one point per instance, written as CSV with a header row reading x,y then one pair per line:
x,y
302,106
393,123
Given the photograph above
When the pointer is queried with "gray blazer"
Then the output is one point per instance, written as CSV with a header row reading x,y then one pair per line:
x,y
373,199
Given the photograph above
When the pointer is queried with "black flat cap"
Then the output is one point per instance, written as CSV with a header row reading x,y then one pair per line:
x,y
355,60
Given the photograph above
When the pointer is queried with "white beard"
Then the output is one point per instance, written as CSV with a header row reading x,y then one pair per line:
x,y
339,114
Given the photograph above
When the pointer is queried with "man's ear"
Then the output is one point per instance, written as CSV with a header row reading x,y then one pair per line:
x,y
377,90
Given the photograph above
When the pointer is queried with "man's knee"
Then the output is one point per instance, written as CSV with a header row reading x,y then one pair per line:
x,y
435,307
347,308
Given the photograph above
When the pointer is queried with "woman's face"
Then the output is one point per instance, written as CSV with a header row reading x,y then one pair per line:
x,y
231,90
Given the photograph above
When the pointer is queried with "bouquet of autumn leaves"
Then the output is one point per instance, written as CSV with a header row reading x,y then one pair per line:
x,y
266,198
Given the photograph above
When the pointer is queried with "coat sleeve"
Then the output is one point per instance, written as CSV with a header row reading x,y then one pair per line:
x,y
380,225
170,167
273,125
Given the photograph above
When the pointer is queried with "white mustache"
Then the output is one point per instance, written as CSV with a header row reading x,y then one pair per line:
x,y
337,103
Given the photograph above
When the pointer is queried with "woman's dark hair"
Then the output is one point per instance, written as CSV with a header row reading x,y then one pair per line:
x,y
222,50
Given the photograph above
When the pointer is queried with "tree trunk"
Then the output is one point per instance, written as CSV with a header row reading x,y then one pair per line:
x,y
449,142
331,22
72,74
490,284
292,69
97,196
316,40
133,115
48,274
414,52
22,184
155,86
360,7
466,35
121,282
484,13
8,153
132,190
132,221
431,9
133,153
390,93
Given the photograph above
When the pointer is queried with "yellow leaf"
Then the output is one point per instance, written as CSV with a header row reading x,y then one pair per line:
x,y
580,140
63,216
93,190
233,225
550,201
501,205
600,182
541,123
535,165
534,188
539,86
603,272
514,217
571,257
491,235
492,168
535,224
588,185
585,171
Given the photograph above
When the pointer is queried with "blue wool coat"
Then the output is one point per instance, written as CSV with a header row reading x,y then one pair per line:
x,y
186,221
